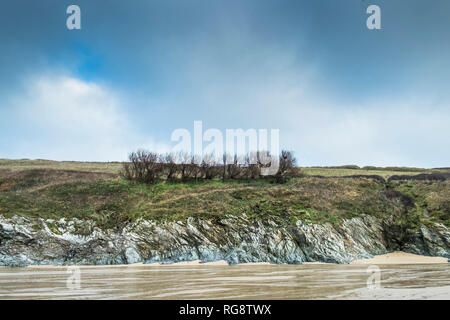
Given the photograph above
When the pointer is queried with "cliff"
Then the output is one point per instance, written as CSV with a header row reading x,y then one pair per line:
x,y
234,239
84,213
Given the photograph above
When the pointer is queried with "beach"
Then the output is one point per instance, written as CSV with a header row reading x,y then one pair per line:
x,y
194,280
399,257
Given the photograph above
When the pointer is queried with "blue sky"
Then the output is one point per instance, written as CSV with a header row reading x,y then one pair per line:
x,y
338,92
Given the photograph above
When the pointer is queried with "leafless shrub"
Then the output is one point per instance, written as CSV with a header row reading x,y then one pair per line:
x,y
287,162
224,167
253,166
234,169
210,167
169,164
184,164
148,167
195,169
143,166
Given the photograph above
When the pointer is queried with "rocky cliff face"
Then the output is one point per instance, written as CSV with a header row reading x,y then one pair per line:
x,y
234,239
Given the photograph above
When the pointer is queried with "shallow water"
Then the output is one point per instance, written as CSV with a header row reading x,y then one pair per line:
x,y
227,282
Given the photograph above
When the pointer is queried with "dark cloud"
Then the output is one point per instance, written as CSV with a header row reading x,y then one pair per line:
x,y
236,63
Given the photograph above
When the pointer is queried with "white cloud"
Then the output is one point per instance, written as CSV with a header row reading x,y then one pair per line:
x,y
392,132
63,118
70,119
400,130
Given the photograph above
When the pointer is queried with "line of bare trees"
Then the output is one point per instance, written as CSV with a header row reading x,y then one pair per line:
x,y
150,167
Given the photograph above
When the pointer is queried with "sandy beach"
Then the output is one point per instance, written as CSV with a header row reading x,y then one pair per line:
x,y
194,280
399,257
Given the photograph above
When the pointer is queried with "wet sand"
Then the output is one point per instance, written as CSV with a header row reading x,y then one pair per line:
x,y
324,281
194,280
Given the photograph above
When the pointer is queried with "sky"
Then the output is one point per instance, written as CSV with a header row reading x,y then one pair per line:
x,y
137,70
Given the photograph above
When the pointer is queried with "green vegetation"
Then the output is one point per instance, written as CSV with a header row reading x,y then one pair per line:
x,y
102,195
354,170
26,164
116,167
432,199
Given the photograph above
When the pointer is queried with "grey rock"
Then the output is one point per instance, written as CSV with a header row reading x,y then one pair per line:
x,y
234,239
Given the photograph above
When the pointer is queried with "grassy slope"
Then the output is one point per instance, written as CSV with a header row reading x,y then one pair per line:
x,y
94,191
115,167
25,164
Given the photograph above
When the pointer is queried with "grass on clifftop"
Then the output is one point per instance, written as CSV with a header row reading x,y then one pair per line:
x,y
115,167
26,164
101,195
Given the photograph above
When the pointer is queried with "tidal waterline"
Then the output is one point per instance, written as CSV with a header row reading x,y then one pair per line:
x,y
253,281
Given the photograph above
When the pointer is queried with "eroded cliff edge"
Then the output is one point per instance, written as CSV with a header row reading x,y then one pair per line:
x,y
25,241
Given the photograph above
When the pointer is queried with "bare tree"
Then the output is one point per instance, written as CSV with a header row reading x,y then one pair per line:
x,y
234,169
209,166
169,162
143,166
195,169
287,162
224,166
148,167
253,165
184,162
127,171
